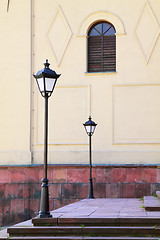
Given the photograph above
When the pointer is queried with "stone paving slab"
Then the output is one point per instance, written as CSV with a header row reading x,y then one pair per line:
x,y
98,208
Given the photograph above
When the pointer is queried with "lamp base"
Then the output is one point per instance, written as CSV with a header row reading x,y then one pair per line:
x,y
44,208
44,215
90,191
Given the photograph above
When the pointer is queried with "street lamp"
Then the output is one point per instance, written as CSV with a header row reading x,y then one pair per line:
x,y
90,127
46,80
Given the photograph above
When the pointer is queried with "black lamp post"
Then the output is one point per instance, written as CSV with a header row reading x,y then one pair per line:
x,y
46,80
90,127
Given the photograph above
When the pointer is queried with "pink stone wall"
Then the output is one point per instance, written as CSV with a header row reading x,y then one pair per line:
x,y
20,186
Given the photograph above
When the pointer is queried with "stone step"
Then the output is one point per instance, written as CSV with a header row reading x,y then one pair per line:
x,y
48,238
139,221
151,203
128,221
85,231
84,238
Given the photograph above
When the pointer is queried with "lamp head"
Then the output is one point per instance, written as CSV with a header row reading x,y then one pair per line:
x,y
46,80
90,126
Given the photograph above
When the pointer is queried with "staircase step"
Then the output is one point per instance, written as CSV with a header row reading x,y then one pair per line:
x,y
84,231
151,203
48,238
109,221
83,238
139,221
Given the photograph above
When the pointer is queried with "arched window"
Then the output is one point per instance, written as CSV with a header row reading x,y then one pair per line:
x,y
102,48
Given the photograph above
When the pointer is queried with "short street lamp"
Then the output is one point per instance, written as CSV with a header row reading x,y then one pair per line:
x,y
90,127
46,80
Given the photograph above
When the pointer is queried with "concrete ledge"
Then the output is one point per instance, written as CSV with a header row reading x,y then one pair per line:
x,y
152,203
158,194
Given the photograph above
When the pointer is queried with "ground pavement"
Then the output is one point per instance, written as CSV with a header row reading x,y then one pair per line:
x,y
98,208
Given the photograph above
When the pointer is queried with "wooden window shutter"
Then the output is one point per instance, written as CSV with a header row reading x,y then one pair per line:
x,y
94,54
109,53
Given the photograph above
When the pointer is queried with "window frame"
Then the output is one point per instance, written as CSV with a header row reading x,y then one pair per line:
x,y
111,59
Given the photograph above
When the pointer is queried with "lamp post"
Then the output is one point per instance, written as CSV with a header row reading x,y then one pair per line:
x,y
90,127
46,80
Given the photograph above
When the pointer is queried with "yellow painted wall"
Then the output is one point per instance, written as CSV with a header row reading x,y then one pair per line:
x,y
125,104
15,69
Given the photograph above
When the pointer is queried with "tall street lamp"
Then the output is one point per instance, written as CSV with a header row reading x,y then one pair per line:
x,y
46,80
90,127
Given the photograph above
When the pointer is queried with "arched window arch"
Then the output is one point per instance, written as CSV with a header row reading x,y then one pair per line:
x,y
102,47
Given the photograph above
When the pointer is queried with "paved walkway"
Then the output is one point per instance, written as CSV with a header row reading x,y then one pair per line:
x,y
99,208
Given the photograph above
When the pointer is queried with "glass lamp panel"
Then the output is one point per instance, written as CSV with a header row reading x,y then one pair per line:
x,y
40,84
50,82
88,129
92,129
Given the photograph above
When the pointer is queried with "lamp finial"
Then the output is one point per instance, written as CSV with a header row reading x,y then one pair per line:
x,y
46,64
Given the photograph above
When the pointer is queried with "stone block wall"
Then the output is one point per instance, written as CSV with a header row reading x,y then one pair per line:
x,y
20,186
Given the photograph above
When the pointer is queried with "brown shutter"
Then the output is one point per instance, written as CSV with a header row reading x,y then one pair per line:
x,y
94,54
109,53
101,53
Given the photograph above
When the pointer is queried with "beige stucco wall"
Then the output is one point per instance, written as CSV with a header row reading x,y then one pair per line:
x,y
15,69
125,104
